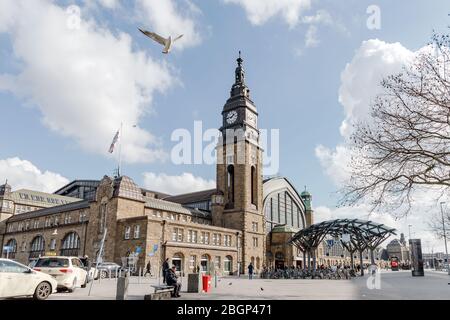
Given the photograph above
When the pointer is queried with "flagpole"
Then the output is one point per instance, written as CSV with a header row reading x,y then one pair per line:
x,y
120,149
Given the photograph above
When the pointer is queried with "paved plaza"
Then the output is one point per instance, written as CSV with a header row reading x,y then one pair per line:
x,y
393,285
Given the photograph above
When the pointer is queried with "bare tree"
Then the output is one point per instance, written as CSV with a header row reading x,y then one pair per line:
x,y
405,145
435,224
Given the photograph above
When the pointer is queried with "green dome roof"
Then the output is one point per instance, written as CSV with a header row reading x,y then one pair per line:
x,y
305,193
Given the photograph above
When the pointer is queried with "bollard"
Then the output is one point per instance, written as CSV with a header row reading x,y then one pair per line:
x,y
122,288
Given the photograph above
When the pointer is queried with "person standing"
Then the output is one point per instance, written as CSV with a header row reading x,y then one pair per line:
x,y
148,269
250,271
172,280
165,269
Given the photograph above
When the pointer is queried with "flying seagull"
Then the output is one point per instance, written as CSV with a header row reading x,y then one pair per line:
x,y
166,42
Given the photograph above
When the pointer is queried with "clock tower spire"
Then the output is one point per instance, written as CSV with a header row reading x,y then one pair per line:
x,y
239,112
239,172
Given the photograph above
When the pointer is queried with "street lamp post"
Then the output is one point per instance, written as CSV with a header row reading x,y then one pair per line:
x,y
445,238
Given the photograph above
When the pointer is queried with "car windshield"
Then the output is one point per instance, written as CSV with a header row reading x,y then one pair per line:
x,y
52,263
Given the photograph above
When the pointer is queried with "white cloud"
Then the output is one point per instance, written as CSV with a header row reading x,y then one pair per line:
x,y
321,17
334,162
360,84
260,11
173,185
84,79
111,4
170,18
311,38
360,81
22,174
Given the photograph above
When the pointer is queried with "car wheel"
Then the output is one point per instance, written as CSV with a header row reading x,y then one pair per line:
x,y
43,290
74,285
85,282
103,274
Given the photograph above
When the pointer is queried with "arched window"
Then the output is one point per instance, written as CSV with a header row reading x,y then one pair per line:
x,y
177,261
253,185
204,263
230,183
12,249
37,247
71,245
228,264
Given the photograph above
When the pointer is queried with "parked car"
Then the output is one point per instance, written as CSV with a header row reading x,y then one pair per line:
x,y
88,266
18,280
32,263
110,269
68,271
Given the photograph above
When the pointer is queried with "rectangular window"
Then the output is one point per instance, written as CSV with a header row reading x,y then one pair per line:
x,y
255,226
282,208
189,236
217,262
228,241
177,235
127,232
207,238
194,236
255,242
192,262
174,234
137,231
53,244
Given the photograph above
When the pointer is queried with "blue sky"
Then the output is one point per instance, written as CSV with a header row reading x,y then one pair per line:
x,y
295,88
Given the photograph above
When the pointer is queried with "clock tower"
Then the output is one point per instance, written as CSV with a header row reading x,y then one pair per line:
x,y
239,173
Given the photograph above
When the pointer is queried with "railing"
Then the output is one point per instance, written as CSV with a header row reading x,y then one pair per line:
x,y
338,274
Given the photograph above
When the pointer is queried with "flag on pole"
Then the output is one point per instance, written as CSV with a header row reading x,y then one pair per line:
x,y
113,144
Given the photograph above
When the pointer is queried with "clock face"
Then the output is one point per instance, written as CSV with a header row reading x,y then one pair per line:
x,y
251,118
232,117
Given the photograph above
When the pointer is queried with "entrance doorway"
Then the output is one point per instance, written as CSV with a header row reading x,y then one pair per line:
x,y
177,261
279,260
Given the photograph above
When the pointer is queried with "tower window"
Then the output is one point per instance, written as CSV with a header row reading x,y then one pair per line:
x,y
230,183
253,185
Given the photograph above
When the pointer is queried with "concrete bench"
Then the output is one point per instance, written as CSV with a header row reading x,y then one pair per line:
x,y
163,288
161,293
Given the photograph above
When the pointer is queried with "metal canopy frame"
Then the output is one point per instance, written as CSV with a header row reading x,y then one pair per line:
x,y
363,235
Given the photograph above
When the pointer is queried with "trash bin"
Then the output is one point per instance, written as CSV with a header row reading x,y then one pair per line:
x,y
206,283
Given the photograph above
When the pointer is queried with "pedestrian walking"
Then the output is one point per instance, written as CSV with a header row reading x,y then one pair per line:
x,y
148,269
250,271
165,269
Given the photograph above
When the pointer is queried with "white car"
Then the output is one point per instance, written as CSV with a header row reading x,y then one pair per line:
x,y
68,271
18,280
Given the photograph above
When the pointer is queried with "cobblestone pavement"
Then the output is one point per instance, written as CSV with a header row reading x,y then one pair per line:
x,y
391,285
